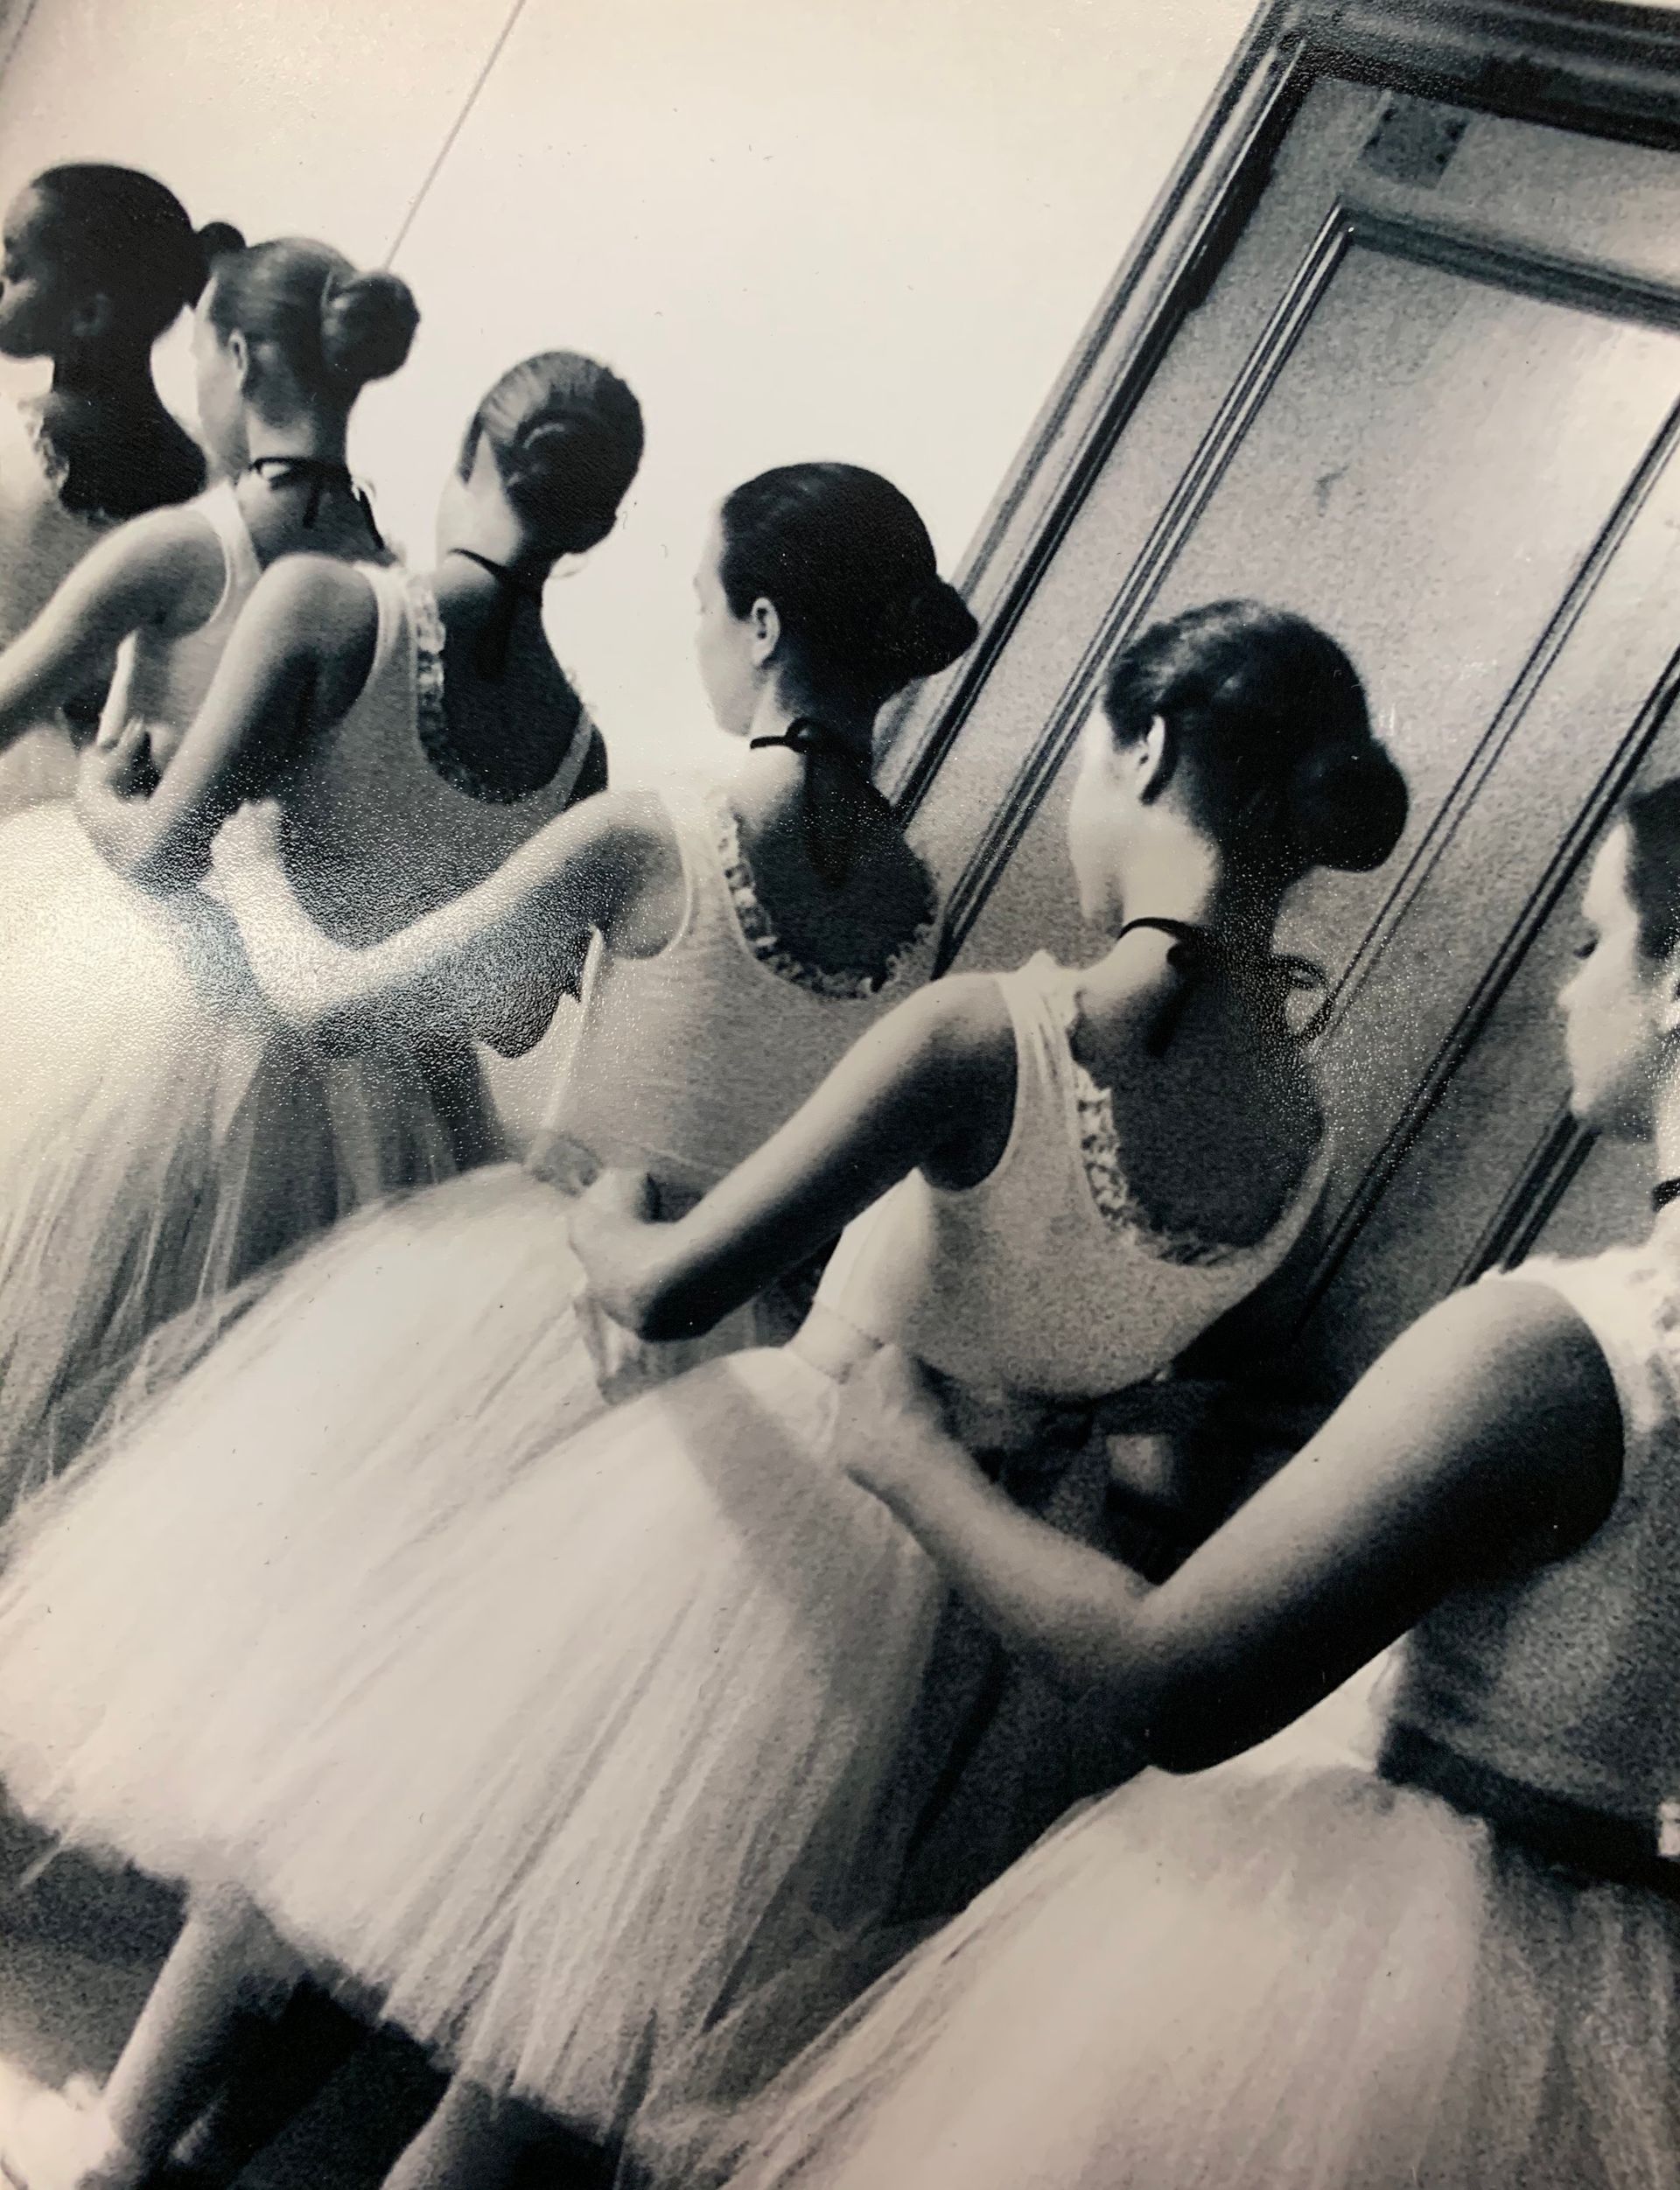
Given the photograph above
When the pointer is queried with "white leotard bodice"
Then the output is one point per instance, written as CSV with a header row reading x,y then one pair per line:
x,y
163,678
41,541
385,824
1562,1677
1046,1277
688,1061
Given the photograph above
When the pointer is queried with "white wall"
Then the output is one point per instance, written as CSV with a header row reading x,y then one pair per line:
x,y
865,228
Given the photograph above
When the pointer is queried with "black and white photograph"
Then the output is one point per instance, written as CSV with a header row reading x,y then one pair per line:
x,y
839,1094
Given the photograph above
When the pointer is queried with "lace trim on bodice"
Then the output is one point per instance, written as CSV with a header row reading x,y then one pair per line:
x,y
846,984
55,465
1105,1173
432,720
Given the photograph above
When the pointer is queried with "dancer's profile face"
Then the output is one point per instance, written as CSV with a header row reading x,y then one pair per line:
x,y
723,645
462,499
1105,806
220,390
1614,1006
37,302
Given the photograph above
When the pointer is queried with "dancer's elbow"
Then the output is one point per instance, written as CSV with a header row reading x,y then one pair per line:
x,y
661,1306
1196,1722
1174,1714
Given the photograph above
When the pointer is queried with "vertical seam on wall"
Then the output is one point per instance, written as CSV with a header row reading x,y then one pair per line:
x,y
452,134
9,41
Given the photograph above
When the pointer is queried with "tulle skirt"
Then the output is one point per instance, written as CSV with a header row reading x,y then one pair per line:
x,y
307,1435
161,1136
562,1780
1283,1972
36,768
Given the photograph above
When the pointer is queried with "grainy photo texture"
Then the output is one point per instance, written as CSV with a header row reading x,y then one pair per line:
x,y
839,1094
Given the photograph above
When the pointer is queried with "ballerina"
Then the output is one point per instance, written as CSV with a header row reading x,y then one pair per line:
x,y
1455,1965
416,732
749,932
596,1765
285,335
144,1032
737,963
98,263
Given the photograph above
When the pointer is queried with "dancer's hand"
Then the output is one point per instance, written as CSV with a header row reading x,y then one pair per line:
x,y
559,1160
899,1442
616,1198
251,840
301,971
607,1225
125,765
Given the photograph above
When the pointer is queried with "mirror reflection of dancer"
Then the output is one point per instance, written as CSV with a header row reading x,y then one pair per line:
x,y
144,1032
683,1615
1462,1967
98,263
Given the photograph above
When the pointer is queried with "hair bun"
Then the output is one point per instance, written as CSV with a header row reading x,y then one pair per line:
x,y
1347,806
368,324
848,563
551,448
924,630
217,239
566,436
560,474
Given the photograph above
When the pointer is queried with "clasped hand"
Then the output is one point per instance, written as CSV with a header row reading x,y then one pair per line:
x,y
606,1226
124,765
291,958
251,840
899,1441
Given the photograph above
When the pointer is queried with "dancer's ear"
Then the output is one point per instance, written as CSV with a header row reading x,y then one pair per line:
x,y
764,621
93,317
1155,760
247,370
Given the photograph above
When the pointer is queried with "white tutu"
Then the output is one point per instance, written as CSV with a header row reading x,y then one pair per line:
x,y
161,1136
386,1380
557,1780
1283,1972
38,768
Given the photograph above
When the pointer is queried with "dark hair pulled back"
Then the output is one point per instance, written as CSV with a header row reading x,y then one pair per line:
x,y
125,234
335,328
1652,821
567,437
1274,727
848,565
